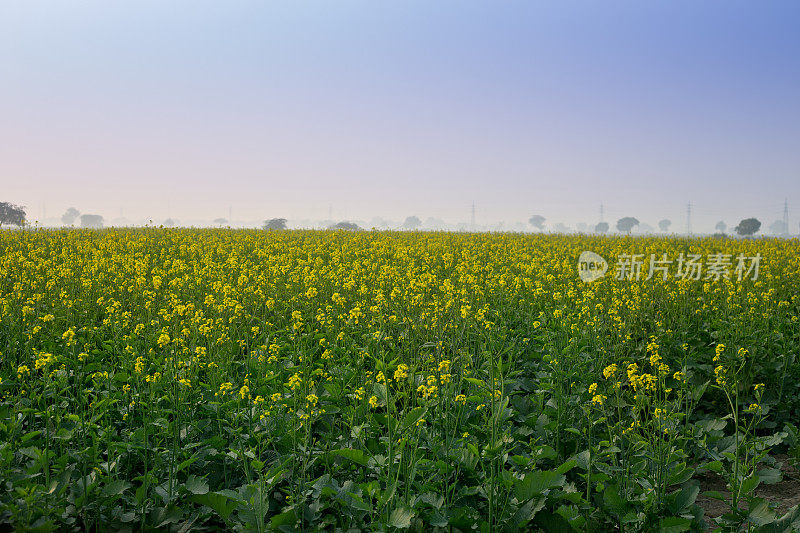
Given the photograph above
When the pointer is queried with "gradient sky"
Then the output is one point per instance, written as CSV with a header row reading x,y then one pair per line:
x,y
186,108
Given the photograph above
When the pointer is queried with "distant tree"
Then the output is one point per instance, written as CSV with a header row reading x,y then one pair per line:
x,y
644,227
346,226
275,223
664,225
11,214
378,222
626,224
91,221
778,228
412,223
537,221
220,221
721,227
170,222
583,227
601,227
562,228
748,226
70,216
434,223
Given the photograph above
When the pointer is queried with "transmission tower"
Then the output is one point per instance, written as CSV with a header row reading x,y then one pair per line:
x,y
472,219
786,215
689,218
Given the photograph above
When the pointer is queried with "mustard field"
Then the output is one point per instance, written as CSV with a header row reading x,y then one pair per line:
x,y
208,380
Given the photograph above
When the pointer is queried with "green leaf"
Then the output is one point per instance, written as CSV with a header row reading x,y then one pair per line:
x,y
357,456
567,466
437,519
30,435
430,498
387,495
686,496
401,517
582,459
355,501
788,522
713,424
379,389
717,495
412,417
614,501
681,476
770,476
759,513
286,518
115,488
164,516
674,524
536,482
196,485
185,464
526,513
552,522
749,484
221,504
698,392
473,449
544,452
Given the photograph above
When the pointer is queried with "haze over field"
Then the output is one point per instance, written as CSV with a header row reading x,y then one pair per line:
x,y
355,110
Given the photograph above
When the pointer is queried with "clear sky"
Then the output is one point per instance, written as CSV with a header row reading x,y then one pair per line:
x,y
382,108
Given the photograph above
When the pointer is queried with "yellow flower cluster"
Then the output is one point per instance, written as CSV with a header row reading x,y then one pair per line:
x,y
401,372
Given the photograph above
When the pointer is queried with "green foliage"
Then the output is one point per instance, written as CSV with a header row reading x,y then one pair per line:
x,y
190,380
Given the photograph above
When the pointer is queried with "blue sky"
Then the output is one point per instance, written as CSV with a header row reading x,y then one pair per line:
x,y
292,109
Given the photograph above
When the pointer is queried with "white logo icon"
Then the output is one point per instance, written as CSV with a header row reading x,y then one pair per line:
x,y
591,266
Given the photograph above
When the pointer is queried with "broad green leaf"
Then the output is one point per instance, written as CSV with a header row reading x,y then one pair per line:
x,y
387,495
770,476
357,456
614,501
116,487
536,482
674,524
196,485
687,496
412,417
401,517
286,518
552,522
30,435
185,464
680,476
749,484
528,510
759,513
221,504
567,466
